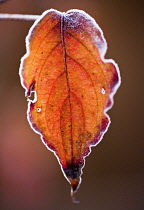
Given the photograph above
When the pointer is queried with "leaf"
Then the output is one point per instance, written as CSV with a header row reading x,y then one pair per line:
x,y
73,85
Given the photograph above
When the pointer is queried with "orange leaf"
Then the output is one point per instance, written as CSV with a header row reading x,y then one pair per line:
x,y
73,84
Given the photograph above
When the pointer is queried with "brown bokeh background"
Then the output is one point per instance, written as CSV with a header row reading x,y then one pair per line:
x,y
113,179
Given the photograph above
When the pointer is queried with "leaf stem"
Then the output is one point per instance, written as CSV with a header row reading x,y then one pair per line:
x,y
19,17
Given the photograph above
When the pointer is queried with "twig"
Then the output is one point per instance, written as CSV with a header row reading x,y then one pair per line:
x,y
19,17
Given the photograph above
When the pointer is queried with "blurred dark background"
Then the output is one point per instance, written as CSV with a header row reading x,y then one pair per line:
x,y
113,179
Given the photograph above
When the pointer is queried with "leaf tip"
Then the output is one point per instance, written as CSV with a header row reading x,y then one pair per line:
x,y
74,187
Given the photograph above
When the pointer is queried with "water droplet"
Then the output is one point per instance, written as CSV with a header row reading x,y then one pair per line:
x,y
103,91
38,109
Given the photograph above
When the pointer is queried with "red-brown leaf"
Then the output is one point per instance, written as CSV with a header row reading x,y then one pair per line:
x,y
73,86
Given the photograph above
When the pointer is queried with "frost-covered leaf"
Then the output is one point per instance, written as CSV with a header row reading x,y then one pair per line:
x,y
73,85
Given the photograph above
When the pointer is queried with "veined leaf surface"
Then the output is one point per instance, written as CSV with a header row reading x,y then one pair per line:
x,y
73,84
